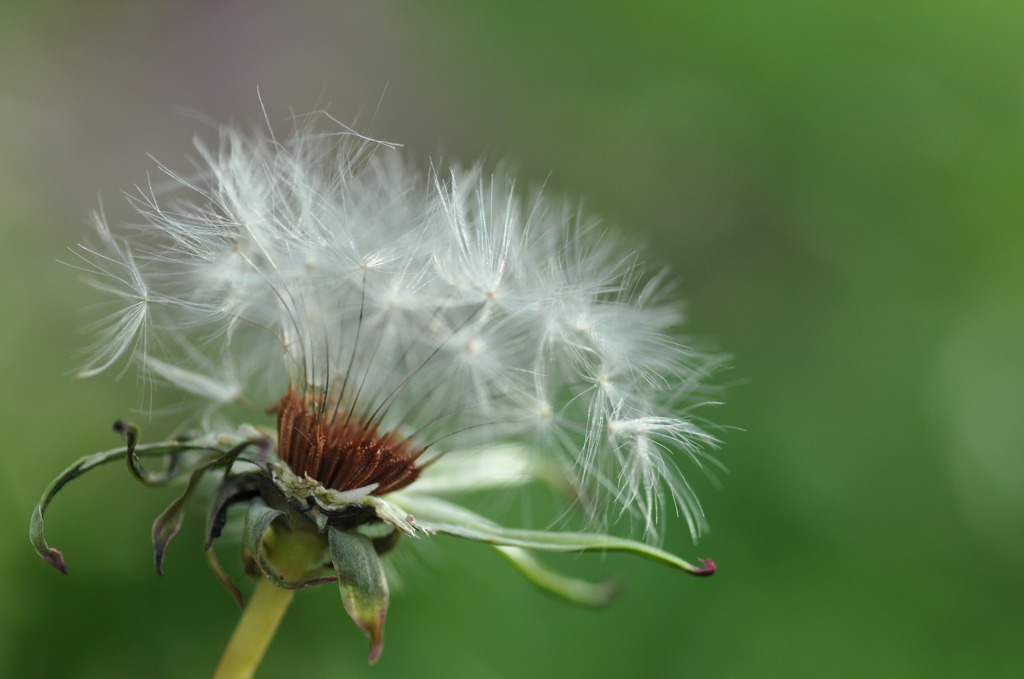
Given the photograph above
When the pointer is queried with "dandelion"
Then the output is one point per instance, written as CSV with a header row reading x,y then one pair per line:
x,y
415,338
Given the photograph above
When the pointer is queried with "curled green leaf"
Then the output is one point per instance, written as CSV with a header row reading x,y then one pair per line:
x,y
174,467
36,534
167,525
551,541
81,466
596,595
232,490
225,579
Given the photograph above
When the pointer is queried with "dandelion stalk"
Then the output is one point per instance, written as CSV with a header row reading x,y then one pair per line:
x,y
293,552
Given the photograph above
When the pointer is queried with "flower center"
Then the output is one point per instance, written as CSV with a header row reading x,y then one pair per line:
x,y
330,444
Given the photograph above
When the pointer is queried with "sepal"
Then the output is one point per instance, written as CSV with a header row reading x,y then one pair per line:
x,y
364,589
256,541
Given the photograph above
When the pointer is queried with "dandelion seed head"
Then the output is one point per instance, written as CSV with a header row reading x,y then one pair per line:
x,y
392,314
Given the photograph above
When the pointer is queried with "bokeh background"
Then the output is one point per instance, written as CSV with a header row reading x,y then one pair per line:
x,y
839,188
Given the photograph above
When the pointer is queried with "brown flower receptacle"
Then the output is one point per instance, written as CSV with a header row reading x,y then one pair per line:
x,y
333,445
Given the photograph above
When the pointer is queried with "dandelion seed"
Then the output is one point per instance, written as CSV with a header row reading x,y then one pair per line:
x,y
416,337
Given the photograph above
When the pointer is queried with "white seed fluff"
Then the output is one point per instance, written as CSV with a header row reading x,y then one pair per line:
x,y
443,305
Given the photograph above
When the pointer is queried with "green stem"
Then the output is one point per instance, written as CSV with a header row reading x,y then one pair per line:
x,y
292,553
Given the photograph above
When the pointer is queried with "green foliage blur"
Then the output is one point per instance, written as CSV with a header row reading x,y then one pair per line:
x,y
837,187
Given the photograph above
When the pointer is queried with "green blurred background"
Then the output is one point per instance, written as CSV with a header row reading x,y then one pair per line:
x,y
838,187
